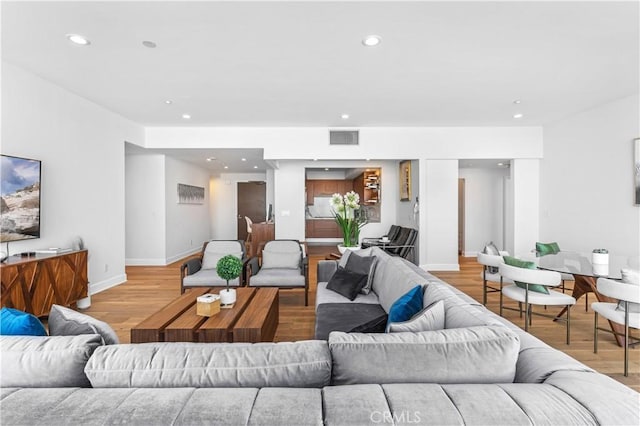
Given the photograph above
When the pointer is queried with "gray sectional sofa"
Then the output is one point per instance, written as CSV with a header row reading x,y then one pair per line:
x,y
480,369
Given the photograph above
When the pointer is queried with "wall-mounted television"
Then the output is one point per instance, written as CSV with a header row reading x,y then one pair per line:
x,y
20,198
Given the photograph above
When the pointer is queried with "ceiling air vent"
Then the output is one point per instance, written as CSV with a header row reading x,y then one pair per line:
x,y
343,137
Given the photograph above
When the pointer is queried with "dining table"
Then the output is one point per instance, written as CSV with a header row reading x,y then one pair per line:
x,y
586,275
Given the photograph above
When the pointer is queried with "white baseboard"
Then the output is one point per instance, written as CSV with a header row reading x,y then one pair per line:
x,y
441,267
183,255
106,284
145,262
470,254
161,261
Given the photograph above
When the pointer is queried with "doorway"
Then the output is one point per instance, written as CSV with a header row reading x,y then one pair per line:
x,y
461,199
252,202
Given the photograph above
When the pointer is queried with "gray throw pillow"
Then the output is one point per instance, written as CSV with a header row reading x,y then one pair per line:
x,y
491,248
365,265
430,318
67,322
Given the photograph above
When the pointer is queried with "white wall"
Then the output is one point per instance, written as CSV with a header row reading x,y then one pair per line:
x,y
81,146
188,226
484,205
224,202
586,183
145,210
326,175
525,183
307,143
438,215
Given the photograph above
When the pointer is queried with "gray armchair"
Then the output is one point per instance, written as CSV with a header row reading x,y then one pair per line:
x,y
284,265
201,271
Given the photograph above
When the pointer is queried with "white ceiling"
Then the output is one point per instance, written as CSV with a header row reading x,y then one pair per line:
x,y
223,160
303,64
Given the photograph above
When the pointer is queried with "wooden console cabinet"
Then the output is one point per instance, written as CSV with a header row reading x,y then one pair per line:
x,y
34,283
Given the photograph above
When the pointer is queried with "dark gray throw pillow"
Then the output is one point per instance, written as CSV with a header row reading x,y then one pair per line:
x,y
362,265
347,283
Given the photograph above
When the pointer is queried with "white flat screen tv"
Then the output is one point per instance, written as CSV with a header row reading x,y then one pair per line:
x,y
20,202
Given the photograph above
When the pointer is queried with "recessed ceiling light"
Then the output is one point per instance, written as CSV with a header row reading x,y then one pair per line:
x,y
255,167
344,116
243,159
315,159
371,40
211,159
226,167
186,116
326,169
518,115
78,39
517,102
168,102
367,159
500,164
149,44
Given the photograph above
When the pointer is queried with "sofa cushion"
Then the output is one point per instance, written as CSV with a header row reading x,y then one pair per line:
x,y
393,280
277,278
347,283
328,296
429,319
67,322
46,362
14,322
207,277
460,316
285,254
277,406
216,250
464,355
173,365
406,306
355,405
609,402
536,364
345,317
512,261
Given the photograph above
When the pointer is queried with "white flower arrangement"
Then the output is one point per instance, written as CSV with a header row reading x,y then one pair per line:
x,y
346,210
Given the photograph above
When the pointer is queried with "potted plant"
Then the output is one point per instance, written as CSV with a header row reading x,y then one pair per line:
x,y
228,268
350,218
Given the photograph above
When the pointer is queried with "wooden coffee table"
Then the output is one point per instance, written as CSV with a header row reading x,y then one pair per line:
x,y
253,318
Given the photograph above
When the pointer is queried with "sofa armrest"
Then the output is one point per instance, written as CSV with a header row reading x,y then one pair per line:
x,y
326,269
190,267
252,267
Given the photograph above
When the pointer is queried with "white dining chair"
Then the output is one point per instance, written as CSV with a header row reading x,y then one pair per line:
x,y
529,277
629,295
249,230
490,263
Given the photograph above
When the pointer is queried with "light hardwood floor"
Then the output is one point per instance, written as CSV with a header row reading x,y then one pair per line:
x,y
149,288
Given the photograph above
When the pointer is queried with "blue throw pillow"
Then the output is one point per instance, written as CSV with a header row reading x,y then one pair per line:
x,y
17,323
406,306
